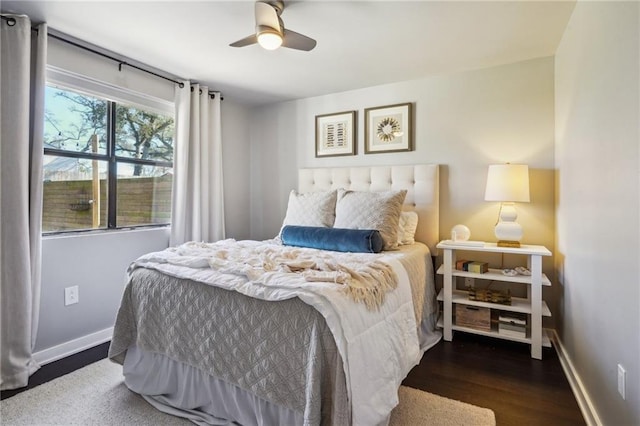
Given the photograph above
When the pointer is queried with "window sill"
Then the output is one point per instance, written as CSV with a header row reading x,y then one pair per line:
x,y
104,231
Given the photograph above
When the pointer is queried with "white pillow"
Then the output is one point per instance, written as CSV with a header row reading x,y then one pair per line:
x,y
371,210
407,226
311,209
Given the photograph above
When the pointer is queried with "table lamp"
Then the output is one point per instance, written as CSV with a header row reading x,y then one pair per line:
x,y
508,183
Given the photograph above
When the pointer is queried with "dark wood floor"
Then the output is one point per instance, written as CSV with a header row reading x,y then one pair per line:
x,y
490,373
502,376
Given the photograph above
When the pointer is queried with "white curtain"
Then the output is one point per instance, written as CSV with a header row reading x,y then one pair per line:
x,y
22,84
197,212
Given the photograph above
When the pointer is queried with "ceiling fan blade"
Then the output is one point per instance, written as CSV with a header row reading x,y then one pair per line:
x,y
252,39
294,40
267,16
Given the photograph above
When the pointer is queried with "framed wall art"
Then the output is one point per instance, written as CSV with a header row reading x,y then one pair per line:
x,y
336,134
388,129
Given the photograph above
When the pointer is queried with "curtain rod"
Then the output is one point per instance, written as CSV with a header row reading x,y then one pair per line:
x,y
119,61
210,93
11,22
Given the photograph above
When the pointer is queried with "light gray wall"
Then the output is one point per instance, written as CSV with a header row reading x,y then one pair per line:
x,y
236,157
96,262
598,216
463,121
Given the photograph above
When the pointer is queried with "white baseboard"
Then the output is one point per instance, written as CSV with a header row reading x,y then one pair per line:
x,y
582,396
73,346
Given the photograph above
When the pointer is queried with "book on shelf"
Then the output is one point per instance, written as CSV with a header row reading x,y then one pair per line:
x,y
522,334
512,319
460,264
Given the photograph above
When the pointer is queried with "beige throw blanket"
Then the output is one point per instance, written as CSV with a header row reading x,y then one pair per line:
x,y
364,278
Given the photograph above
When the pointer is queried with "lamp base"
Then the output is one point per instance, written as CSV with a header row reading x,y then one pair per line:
x,y
508,243
508,231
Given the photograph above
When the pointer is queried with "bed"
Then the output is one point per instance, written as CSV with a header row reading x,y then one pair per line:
x,y
247,332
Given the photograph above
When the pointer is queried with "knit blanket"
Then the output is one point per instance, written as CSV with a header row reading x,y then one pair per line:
x,y
363,278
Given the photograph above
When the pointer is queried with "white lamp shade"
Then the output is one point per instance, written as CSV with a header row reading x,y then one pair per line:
x,y
507,183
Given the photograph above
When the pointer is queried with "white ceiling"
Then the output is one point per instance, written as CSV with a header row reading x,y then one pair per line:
x,y
360,43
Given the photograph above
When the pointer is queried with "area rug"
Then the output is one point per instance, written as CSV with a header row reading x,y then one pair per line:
x,y
96,395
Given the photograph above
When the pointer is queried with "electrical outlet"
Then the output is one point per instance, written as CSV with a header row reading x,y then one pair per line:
x,y
622,377
71,295
469,283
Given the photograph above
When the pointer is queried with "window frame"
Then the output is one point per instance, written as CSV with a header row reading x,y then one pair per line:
x,y
113,96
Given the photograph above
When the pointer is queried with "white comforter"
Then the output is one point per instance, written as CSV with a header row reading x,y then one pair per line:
x,y
378,346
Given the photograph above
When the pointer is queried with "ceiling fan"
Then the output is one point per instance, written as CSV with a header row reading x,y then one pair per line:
x,y
270,30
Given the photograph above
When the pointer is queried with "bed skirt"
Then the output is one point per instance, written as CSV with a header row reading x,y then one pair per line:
x,y
185,391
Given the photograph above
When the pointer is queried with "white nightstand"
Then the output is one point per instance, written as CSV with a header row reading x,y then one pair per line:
x,y
532,305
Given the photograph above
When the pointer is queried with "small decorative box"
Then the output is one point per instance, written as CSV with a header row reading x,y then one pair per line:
x,y
478,267
473,317
471,266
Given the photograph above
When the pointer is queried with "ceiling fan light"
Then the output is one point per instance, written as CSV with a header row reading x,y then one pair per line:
x,y
270,40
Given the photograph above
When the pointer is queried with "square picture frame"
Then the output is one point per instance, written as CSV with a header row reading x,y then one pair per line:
x,y
336,134
388,128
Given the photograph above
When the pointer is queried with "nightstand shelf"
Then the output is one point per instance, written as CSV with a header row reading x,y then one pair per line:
x,y
517,304
532,306
495,275
546,341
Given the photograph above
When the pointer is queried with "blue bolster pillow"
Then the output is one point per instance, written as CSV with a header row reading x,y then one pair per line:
x,y
336,239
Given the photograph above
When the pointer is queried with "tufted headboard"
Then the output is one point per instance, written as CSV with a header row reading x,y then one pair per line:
x,y
421,182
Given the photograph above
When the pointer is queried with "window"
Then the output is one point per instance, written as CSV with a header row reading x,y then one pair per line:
x,y
107,164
